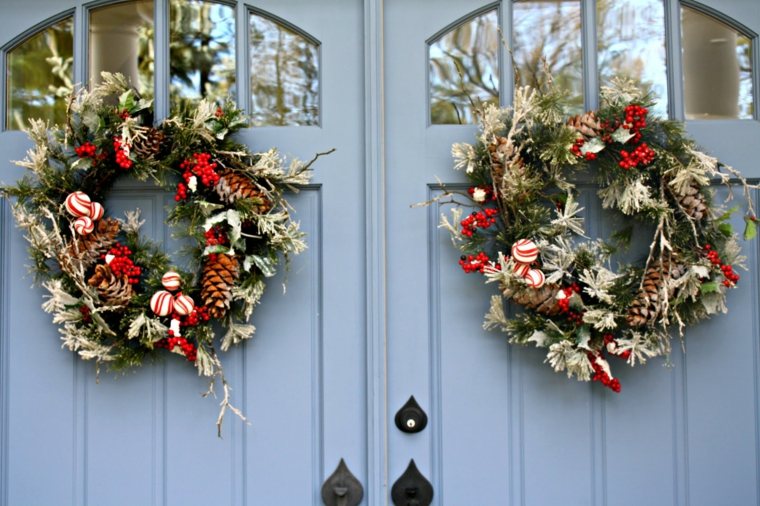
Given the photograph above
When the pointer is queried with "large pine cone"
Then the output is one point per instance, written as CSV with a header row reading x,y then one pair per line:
x,y
148,147
503,155
219,274
233,186
542,300
693,203
89,248
112,290
586,125
648,304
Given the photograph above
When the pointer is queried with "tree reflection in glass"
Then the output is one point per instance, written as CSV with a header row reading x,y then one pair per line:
x,y
464,69
121,40
284,75
202,52
631,44
547,38
40,76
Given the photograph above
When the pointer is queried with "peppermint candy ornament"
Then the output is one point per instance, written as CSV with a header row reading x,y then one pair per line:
x,y
171,281
96,211
521,269
84,225
78,204
524,251
162,303
535,278
183,304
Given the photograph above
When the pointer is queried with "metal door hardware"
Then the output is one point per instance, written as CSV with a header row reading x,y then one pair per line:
x,y
411,418
342,488
412,488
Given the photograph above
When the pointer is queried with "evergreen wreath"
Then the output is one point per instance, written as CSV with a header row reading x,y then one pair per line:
x,y
114,294
526,232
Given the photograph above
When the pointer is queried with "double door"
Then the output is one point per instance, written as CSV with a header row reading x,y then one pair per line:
x,y
376,310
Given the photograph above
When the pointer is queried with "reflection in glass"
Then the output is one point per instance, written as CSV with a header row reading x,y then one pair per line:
x,y
464,69
284,75
717,68
39,76
202,52
121,40
631,44
547,38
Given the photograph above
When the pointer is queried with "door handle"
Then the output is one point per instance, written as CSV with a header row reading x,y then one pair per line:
x,y
412,488
342,488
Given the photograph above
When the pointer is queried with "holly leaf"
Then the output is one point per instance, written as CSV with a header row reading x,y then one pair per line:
x,y
750,228
595,145
622,135
726,229
266,265
710,287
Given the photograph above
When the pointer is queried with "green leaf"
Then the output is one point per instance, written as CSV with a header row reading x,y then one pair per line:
x,y
267,266
127,100
710,287
750,228
595,145
727,214
622,135
726,229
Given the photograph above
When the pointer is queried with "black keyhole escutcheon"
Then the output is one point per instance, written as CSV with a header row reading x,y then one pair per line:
x,y
411,418
342,488
412,488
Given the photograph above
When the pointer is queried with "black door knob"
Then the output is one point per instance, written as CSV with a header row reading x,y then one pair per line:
x,y
412,488
411,418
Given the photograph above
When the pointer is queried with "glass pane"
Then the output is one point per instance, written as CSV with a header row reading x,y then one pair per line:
x,y
40,76
202,48
121,40
717,68
284,75
547,37
464,69
631,44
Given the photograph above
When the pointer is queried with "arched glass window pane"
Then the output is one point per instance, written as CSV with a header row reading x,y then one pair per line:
x,y
40,76
547,37
284,75
121,40
631,44
464,69
202,52
717,68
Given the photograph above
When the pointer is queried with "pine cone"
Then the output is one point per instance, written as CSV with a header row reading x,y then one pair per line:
x,y
146,148
647,305
503,154
114,291
88,248
693,203
219,274
586,125
542,300
233,186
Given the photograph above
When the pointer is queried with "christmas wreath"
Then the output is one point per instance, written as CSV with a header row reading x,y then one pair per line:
x,y
114,294
525,230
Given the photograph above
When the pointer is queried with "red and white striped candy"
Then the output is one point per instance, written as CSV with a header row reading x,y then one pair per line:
x,y
521,269
171,280
524,251
535,278
162,303
96,211
78,204
183,304
84,225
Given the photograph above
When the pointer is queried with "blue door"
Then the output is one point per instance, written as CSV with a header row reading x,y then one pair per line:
x,y
377,309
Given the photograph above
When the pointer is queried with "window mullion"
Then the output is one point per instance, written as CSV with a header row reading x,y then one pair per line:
x,y
161,67
590,66
81,45
242,63
673,59
506,59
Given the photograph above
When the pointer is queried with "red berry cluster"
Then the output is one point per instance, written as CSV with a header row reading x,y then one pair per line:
x,y
730,277
198,315
642,155
474,263
87,149
635,120
601,376
576,149
122,265
188,348
122,153
487,189
479,219
564,304
216,236
610,343
219,112
123,114
85,310
202,168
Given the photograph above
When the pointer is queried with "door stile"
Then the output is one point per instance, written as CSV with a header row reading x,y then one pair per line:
x,y
375,258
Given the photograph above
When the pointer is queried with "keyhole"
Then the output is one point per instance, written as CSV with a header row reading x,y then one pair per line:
x,y
411,423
